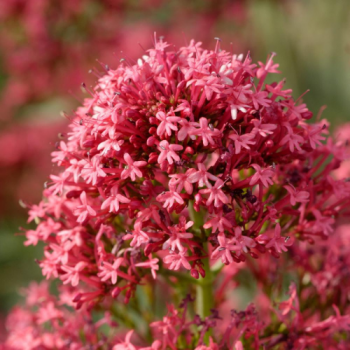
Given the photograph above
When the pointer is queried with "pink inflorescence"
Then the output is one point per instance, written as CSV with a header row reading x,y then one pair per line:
x,y
184,156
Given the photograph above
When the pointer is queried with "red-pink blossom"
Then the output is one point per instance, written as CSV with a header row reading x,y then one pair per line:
x,y
132,168
110,271
279,243
83,210
297,197
166,125
113,201
242,141
168,152
175,166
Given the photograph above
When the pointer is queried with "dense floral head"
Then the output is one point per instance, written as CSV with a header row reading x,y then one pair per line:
x,y
184,156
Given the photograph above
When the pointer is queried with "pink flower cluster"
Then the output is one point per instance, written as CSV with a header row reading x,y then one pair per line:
x,y
47,322
179,133
177,169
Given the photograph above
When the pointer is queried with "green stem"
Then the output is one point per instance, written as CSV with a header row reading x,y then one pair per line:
x,y
204,292
204,295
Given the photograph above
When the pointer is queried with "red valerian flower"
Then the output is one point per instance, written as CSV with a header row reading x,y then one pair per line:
x,y
84,210
279,243
132,168
269,67
112,202
187,157
110,271
125,345
224,249
242,141
218,223
72,273
175,260
169,198
242,243
167,152
152,264
206,132
216,195
202,176
166,125
297,197
262,175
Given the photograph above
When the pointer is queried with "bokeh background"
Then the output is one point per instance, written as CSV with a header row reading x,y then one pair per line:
x,y
48,48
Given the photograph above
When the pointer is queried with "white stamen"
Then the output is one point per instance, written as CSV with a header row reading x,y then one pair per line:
x,y
234,113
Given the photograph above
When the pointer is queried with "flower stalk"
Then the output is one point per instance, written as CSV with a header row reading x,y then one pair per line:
x,y
204,292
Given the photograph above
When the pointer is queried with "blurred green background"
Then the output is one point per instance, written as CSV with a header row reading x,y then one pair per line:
x,y
48,47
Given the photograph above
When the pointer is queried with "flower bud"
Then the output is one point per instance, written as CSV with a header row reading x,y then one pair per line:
x,y
269,143
201,271
194,273
115,292
152,131
150,142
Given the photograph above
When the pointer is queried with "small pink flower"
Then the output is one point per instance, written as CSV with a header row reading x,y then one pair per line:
x,y
216,195
242,243
263,129
187,129
63,153
113,200
279,243
32,238
295,110
297,197
72,273
132,168
126,345
92,170
260,99
174,241
48,312
218,223
181,181
166,125
322,223
168,152
138,236
59,182
242,141
110,144
294,140
276,89
169,198
224,249
202,176
152,264
262,175
176,260
84,210
210,85
269,67
110,271
205,132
